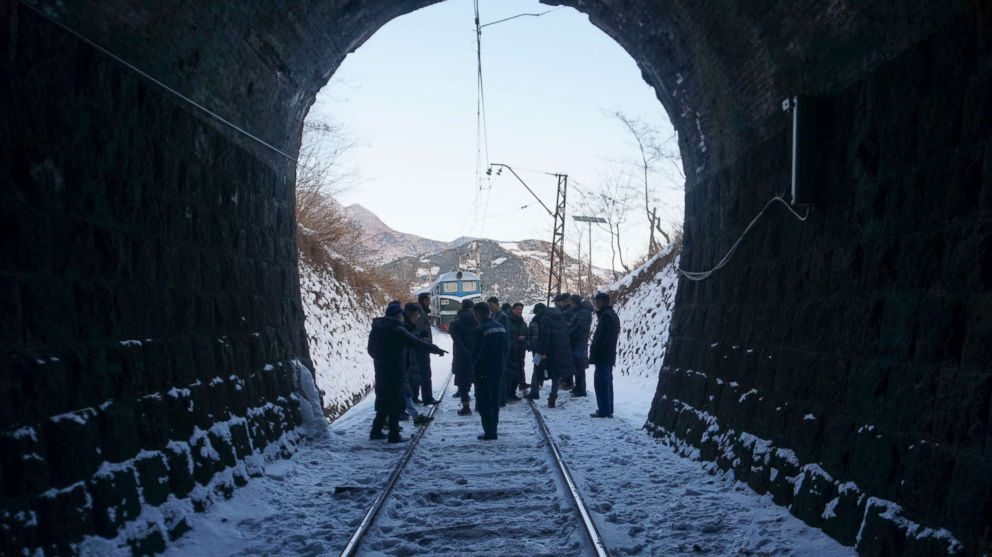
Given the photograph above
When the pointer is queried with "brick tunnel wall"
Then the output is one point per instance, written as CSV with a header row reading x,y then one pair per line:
x,y
151,323
841,364
844,364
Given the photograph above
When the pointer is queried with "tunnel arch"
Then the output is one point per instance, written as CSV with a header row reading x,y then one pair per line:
x,y
173,263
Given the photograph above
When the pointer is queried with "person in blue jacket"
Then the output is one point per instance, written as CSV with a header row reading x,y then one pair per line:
x,y
603,354
489,363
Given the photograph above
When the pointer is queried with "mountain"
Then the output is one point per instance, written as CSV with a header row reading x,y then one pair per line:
x,y
381,244
511,271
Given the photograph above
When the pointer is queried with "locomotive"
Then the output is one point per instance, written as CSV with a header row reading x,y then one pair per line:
x,y
447,293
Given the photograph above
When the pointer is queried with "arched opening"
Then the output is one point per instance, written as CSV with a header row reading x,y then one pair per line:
x,y
395,175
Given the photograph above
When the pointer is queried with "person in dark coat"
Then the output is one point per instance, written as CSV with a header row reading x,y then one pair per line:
x,y
489,362
500,314
411,316
563,303
554,347
539,371
516,338
603,354
462,331
411,359
578,333
387,339
494,307
424,358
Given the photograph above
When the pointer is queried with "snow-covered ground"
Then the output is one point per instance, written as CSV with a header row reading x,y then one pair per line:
x,y
647,500
337,325
460,496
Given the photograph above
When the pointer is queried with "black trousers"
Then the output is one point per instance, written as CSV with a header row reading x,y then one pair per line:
x,y
537,381
463,391
426,388
381,418
487,396
580,374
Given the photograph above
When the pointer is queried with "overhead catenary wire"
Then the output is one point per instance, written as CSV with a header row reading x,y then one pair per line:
x,y
697,276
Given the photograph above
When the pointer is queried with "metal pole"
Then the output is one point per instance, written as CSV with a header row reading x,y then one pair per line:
x,y
590,258
589,220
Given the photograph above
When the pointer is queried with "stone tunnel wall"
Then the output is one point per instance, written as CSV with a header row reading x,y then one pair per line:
x,y
151,331
844,364
841,364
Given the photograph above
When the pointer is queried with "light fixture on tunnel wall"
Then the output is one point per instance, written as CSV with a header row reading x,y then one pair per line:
x,y
805,146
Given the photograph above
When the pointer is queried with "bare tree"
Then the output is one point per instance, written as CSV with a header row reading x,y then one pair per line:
x,y
321,174
612,201
652,153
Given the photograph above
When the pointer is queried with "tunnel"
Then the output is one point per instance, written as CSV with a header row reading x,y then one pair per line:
x,y
150,301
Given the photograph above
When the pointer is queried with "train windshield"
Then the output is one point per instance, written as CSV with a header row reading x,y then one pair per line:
x,y
469,286
449,287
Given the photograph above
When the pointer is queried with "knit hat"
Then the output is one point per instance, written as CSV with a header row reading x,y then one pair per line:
x,y
392,310
603,297
538,308
563,297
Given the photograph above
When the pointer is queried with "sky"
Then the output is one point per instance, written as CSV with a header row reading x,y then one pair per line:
x,y
407,99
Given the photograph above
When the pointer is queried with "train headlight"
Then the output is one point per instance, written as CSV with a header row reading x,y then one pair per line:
x,y
445,301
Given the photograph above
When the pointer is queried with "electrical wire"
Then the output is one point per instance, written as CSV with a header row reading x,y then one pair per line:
x,y
523,15
697,276
158,82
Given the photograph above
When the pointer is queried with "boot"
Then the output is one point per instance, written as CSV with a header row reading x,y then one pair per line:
x,y
422,419
533,396
551,403
397,439
465,411
376,436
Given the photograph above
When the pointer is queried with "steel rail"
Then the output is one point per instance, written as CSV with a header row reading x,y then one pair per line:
x,y
592,533
356,538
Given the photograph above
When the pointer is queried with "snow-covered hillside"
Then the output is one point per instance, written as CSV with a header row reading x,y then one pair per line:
x,y
511,271
643,300
337,325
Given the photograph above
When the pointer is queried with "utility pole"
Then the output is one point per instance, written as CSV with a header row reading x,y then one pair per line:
x,y
589,220
557,232
558,238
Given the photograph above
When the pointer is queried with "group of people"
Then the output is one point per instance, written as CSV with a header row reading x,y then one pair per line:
x,y
490,343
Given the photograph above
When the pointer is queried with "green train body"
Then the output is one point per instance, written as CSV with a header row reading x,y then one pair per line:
x,y
447,293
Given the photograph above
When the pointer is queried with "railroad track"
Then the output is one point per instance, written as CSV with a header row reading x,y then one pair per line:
x,y
466,508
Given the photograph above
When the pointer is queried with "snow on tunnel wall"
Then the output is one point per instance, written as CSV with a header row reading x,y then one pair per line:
x,y
129,216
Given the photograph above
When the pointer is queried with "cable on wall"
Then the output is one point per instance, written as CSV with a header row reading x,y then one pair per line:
x,y
697,276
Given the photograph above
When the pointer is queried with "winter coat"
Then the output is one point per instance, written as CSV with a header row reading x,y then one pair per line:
x,y
489,351
502,318
603,350
516,348
388,340
553,342
533,333
462,331
411,358
424,330
579,326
